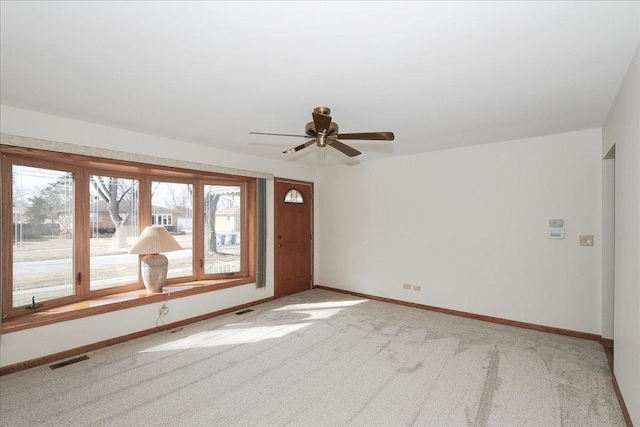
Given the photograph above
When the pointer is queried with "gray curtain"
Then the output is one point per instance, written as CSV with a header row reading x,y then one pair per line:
x,y
261,262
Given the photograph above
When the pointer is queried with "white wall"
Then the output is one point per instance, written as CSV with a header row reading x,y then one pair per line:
x,y
16,121
25,345
622,129
469,226
36,342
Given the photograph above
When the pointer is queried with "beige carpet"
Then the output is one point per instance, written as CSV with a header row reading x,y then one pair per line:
x,y
323,358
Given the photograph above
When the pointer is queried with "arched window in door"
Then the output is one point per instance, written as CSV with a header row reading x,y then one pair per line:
x,y
293,196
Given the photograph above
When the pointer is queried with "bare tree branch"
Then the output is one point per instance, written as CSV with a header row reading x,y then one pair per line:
x,y
124,194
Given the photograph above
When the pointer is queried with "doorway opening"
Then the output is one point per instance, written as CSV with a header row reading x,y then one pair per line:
x,y
608,244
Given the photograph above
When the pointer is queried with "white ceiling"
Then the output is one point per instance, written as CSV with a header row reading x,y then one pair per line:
x,y
438,74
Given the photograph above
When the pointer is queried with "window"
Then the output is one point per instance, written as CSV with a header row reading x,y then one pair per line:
x,y
222,231
68,222
162,219
171,199
114,222
293,196
42,235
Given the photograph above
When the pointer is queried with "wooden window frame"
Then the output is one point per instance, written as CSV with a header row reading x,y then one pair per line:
x,y
83,166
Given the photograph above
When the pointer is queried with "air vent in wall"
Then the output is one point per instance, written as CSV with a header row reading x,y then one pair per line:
x,y
69,362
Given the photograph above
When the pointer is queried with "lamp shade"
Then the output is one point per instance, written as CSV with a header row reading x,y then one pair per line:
x,y
153,240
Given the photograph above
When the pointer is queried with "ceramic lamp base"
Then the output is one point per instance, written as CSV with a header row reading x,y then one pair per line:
x,y
154,272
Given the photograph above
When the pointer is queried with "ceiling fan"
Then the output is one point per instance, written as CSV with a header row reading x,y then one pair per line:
x,y
324,132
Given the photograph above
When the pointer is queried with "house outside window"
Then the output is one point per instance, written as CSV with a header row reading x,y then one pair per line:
x,y
167,198
162,219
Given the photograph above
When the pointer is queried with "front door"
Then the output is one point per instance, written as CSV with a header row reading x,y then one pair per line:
x,y
293,236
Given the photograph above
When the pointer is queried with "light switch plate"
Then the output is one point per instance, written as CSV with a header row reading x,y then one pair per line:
x,y
586,240
556,223
555,233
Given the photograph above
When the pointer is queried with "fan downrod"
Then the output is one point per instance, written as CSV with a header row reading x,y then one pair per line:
x,y
322,110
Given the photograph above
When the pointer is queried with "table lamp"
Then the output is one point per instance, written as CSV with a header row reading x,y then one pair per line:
x,y
152,241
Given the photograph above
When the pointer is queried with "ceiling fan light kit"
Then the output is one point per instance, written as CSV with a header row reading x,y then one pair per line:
x,y
325,132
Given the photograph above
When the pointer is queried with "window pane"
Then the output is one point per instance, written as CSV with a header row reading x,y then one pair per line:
x,y
293,196
113,222
172,207
42,235
222,229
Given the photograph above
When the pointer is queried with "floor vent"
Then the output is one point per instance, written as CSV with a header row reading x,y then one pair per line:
x,y
69,362
248,310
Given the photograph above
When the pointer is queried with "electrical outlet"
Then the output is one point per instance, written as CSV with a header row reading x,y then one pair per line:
x,y
586,240
406,287
417,288
164,310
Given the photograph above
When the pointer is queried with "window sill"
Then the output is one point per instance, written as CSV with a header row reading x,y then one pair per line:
x,y
115,302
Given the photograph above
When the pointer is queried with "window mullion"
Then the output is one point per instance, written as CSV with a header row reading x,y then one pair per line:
x,y
250,227
198,230
81,233
7,242
144,206
145,202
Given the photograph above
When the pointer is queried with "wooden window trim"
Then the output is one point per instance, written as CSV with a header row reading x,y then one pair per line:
x,y
115,302
85,303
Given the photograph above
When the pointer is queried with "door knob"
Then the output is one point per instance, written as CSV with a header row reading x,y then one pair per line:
x,y
280,245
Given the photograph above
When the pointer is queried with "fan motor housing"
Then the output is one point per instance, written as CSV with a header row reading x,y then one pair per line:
x,y
310,129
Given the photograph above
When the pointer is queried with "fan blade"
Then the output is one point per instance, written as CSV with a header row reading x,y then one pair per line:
x,y
371,136
351,152
299,147
278,134
321,122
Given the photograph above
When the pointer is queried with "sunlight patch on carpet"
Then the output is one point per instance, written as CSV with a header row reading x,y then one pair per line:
x,y
318,314
229,337
317,305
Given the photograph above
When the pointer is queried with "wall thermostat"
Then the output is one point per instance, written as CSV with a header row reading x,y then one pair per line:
x,y
555,233
556,223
